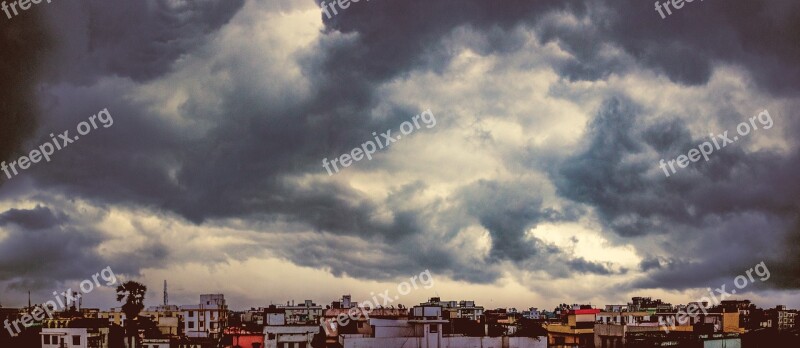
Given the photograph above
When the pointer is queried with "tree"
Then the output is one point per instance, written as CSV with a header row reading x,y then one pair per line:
x,y
132,293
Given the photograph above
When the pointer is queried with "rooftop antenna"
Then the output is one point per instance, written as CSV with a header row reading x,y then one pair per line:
x,y
166,295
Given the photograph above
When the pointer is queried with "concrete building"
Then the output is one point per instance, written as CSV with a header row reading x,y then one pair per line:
x,y
784,318
625,317
532,313
647,304
157,343
73,338
462,309
613,335
207,319
616,308
239,338
167,317
423,329
74,333
576,331
302,314
280,334
683,340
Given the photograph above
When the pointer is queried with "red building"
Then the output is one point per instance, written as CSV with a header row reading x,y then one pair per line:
x,y
236,337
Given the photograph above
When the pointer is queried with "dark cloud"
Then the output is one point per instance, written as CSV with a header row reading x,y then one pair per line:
x,y
38,249
23,44
45,249
128,39
34,219
245,162
507,212
757,35
696,207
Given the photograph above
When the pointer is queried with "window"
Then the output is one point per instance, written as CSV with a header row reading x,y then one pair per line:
x,y
191,314
76,340
45,339
434,328
191,325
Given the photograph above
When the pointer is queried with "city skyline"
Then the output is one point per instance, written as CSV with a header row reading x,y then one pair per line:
x,y
525,153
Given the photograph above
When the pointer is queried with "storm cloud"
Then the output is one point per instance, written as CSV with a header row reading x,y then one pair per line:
x,y
550,114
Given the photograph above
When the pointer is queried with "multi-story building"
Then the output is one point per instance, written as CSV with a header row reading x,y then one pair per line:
x,y
424,329
614,335
780,318
577,331
647,304
280,334
75,333
168,316
236,337
532,313
461,309
207,319
306,313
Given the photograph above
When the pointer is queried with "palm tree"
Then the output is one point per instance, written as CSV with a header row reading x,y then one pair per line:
x,y
132,293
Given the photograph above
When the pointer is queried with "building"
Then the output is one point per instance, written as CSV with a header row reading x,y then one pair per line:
x,y
423,329
576,331
75,333
302,314
240,338
616,308
532,313
647,304
461,309
682,340
159,314
207,319
613,335
280,334
158,343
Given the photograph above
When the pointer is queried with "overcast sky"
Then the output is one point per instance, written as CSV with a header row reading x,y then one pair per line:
x,y
538,185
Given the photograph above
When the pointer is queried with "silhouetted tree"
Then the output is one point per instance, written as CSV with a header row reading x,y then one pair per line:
x,y
132,293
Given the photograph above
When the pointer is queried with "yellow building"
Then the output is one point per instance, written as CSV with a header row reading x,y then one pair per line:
x,y
578,331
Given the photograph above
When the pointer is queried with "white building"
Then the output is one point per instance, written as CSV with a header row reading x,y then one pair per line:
x,y
460,309
531,313
302,314
206,320
424,330
74,338
279,334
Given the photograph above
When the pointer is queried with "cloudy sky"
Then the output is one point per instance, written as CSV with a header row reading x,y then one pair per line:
x,y
539,183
